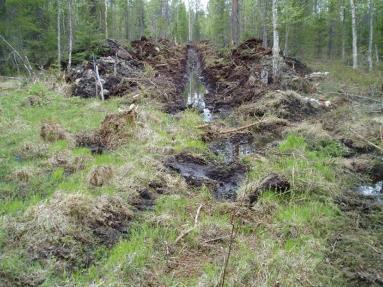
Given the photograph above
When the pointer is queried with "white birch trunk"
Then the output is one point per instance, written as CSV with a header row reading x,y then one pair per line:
x,y
370,38
190,23
276,56
342,12
59,34
70,40
354,36
106,19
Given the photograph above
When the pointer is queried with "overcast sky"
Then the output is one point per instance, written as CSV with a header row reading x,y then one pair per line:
x,y
203,3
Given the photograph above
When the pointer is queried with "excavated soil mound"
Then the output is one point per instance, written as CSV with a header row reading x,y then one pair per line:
x,y
65,226
169,63
245,74
287,105
159,66
116,129
117,69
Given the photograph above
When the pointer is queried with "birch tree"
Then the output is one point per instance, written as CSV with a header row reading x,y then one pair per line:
x,y
276,56
341,15
59,34
70,36
371,27
106,19
354,36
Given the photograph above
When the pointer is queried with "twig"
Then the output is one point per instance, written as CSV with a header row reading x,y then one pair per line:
x,y
197,215
216,239
24,59
186,232
221,282
183,234
238,129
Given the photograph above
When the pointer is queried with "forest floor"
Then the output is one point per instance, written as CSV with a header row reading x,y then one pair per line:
x,y
197,170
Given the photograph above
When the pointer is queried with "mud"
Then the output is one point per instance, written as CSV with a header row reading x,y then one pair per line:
x,y
244,75
223,179
233,147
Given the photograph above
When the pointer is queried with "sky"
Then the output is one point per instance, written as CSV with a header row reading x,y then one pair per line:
x,y
203,3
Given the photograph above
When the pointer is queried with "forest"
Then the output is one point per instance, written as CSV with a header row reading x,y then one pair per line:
x,y
191,143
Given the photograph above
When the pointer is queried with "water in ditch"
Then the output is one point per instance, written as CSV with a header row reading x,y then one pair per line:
x,y
196,90
375,190
222,177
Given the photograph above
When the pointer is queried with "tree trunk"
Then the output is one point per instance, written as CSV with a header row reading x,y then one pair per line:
x,y
234,22
70,36
59,34
127,17
370,15
354,36
377,54
330,43
106,19
190,23
264,26
342,12
285,50
276,56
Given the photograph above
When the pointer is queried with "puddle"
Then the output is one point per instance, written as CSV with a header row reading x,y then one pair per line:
x,y
375,190
233,148
223,179
196,90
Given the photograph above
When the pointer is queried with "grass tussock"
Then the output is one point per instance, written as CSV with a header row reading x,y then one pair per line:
x,y
60,229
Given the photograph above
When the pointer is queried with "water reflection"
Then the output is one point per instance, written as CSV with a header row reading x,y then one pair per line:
x,y
195,90
375,190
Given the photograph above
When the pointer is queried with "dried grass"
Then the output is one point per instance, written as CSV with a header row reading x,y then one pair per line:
x,y
67,225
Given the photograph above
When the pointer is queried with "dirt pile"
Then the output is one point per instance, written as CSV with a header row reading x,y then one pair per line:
x,y
68,162
117,70
51,132
115,130
273,182
100,175
287,105
157,66
168,61
245,74
62,228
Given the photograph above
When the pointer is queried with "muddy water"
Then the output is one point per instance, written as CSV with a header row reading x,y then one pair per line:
x,y
225,176
375,190
195,91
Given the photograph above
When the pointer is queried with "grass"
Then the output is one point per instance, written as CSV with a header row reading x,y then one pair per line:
x,y
284,239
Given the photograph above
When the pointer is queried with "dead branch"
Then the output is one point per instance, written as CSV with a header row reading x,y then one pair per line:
x,y
98,80
24,59
221,282
229,131
183,234
186,232
197,215
216,239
